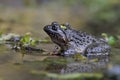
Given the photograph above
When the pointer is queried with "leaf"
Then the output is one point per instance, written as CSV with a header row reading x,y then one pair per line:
x,y
111,40
26,40
78,56
63,27
33,42
69,76
74,75
94,60
104,35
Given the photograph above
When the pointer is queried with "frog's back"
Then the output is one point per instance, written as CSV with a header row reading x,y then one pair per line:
x,y
81,41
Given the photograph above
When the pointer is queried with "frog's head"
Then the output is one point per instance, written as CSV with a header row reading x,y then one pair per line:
x,y
57,32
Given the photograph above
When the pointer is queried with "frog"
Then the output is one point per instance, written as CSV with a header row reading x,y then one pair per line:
x,y
73,41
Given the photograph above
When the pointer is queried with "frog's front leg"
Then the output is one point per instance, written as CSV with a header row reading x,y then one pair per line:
x,y
96,49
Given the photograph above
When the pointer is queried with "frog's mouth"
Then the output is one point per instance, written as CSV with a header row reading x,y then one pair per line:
x,y
56,34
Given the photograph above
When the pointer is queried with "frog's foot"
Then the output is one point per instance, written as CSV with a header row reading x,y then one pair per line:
x,y
97,49
68,52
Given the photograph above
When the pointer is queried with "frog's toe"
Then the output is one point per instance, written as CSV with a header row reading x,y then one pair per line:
x,y
69,52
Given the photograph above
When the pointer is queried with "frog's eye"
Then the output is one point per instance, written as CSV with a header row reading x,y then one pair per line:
x,y
54,28
63,27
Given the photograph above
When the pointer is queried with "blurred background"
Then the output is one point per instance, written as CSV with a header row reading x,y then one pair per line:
x,y
22,16
92,16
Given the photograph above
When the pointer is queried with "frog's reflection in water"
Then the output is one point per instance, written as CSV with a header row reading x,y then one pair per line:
x,y
79,66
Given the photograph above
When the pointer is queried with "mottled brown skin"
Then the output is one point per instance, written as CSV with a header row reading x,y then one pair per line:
x,y
72,41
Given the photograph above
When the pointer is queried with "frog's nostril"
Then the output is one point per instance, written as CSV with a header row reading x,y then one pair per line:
x,y
46,28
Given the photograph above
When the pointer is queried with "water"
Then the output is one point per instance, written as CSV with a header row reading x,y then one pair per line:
x,y
36,67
